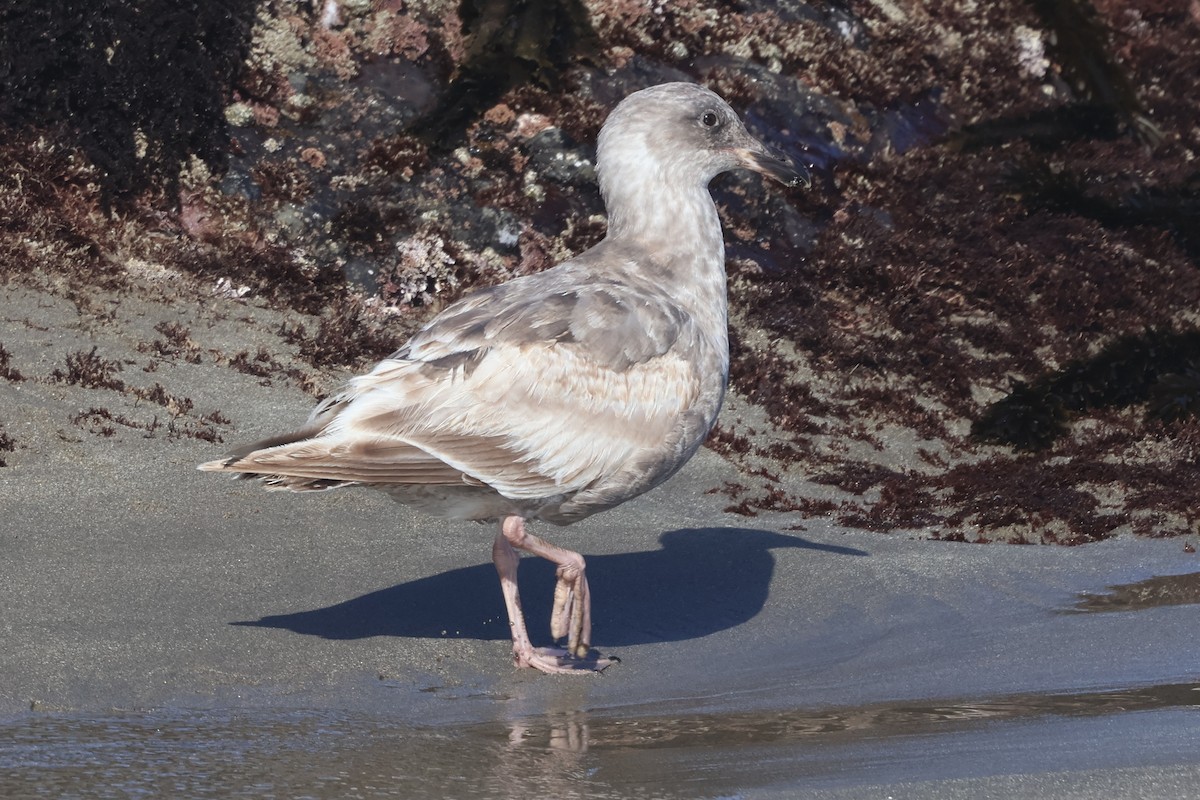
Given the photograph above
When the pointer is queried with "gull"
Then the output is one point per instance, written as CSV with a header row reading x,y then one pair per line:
x,y
563,393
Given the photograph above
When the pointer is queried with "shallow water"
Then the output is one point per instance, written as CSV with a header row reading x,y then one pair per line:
x,y
327,754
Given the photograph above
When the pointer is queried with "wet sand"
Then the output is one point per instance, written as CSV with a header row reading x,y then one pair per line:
x,y
156,615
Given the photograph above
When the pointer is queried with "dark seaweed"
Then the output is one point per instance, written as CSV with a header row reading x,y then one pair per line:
x,y
1128,371
139,85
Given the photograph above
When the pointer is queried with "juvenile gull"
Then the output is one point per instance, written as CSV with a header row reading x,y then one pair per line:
x,y
564,393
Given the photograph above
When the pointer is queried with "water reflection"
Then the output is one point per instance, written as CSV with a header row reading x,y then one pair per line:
x,y
718,730
322,754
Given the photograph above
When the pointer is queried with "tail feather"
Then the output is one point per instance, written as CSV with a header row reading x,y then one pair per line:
x,y
295,462
245,451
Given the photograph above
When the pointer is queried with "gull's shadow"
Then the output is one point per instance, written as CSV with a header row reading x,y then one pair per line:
x,y
699,582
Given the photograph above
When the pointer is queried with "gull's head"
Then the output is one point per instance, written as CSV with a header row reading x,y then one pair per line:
x,y
681,133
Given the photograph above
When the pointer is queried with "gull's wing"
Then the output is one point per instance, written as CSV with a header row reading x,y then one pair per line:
x,y
537,388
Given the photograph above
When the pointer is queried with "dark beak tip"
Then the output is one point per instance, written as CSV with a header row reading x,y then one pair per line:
x,y
800,174
802,177
791,175
781,169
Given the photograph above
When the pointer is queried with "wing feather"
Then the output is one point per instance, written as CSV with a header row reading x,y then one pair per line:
x,y
526,390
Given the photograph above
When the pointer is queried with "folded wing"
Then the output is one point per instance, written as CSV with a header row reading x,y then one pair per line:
x,y
526,398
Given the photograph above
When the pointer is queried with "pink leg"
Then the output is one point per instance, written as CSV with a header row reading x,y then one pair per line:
x,y
572,604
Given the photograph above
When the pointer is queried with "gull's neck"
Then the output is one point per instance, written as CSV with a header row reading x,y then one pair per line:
x,y
675,222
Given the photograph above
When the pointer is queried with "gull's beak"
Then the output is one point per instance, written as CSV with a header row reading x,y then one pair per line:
x,y
774,165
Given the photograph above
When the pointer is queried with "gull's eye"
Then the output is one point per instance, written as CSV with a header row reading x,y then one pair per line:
x,y
709,119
